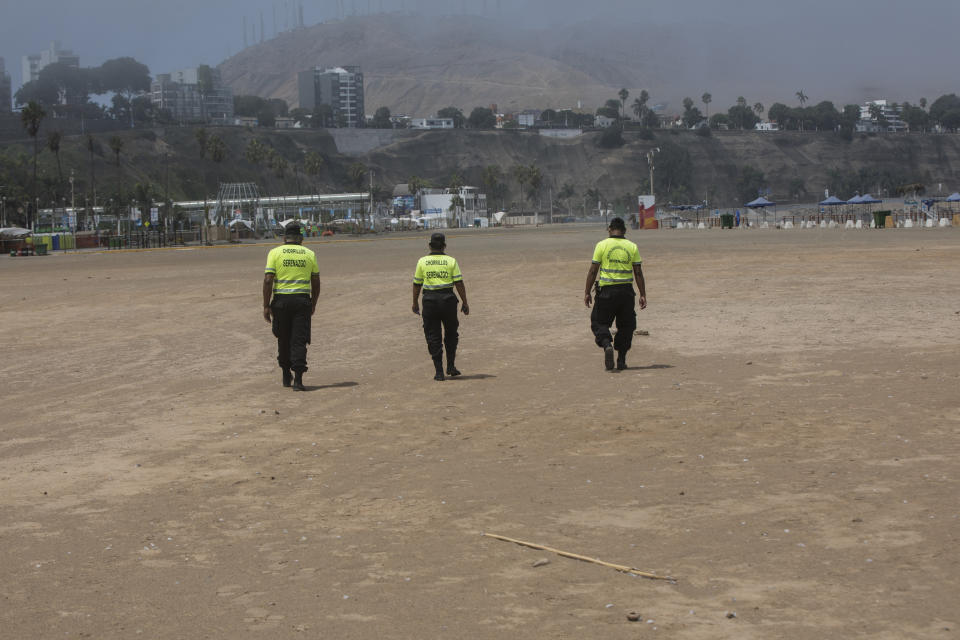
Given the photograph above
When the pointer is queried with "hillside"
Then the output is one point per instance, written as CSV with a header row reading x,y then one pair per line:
x,y
797,166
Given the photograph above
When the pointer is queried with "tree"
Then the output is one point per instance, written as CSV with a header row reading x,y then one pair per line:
x,y
719,121
687,103
205,87
482,118
256,152
612,137
358,174
742,116
456,182
201,135
749,183
520,175
381,119
706,98
535,180
492,183
452,112
313,164
53,143
266,117
758,108
126,77
31,116
779,113
923,103
415,185
116,145
216,148
623,95
91,147
941,111
802,97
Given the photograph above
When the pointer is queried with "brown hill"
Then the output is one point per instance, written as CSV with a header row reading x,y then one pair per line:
x,y
416,68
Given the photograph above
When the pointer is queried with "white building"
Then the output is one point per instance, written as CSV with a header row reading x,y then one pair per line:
x,y
431,123
436,204
33,64
603,122
766,126
341,88
871,123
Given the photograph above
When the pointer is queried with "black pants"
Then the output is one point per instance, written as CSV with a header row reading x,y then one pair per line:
x,y
614,302
291,326
440,322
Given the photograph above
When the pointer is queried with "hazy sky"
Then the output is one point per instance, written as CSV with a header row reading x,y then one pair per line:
x,y
859,42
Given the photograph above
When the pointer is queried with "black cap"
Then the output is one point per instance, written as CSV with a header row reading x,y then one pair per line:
x,y
293,229
617,223
438,240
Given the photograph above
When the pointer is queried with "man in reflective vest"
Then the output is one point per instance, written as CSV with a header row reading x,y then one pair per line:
x,y
615,265
437,274
291,288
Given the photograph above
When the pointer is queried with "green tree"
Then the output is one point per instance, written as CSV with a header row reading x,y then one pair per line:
x,y
493,186
204,87
719,121
521,175
358,174
452,112
266,117
323,116
256,152
612,137
381,119
116,145
415,185
30,117
53,143
758,109
482,118
202,137
802,97
126,77
749,183
91,147
217,149
945,111
623,94
456,182
313,164
706,98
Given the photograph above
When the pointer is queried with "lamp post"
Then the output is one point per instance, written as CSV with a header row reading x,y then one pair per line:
x,y
650,155
73,203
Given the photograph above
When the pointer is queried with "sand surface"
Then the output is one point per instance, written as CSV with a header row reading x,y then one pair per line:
x,y
785,444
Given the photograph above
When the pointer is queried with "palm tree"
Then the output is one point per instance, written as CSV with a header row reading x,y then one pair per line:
x,y
313,166
758,108
218,151
802,97
923,103
116,145
91,147
53,143
31,117
706,98
520,175
624,94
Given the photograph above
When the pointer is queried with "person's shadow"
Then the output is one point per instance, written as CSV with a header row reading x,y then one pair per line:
x,y
649,366
332,385
472,376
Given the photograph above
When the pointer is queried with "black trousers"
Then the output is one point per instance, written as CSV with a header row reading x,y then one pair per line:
x,y
291,326
440,322
614,302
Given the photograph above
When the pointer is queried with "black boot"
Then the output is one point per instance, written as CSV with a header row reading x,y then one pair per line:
x,y
287,377
438,365
621,360
298,381
451,370
608,356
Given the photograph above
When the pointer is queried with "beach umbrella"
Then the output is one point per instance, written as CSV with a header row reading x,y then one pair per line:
x,y
953,197
760,203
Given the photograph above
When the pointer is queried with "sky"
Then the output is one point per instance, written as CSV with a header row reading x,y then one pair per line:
x,y
832,42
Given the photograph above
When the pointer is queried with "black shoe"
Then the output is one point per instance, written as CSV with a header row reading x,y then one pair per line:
x,y
621,361
298,382
439,377
452,371
287,377
608,357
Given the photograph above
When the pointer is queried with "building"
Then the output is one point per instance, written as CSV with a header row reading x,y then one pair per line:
x,y
5,88
431,123
437,206
340,88
880,116
31,65
179,94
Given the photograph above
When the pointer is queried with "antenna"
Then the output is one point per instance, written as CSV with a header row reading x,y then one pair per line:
x,y
244,32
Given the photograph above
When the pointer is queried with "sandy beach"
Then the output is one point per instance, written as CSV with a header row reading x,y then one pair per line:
x,y
785,444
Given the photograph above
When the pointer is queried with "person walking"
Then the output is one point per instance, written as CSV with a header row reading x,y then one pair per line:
x,y
437,275
291,288
615,265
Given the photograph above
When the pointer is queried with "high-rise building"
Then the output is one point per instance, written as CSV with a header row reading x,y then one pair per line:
x,y
5,88
179,93
341,88
33,64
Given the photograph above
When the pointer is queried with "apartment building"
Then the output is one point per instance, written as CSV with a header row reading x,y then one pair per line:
x,y
340,88
31,65
5,88
180,94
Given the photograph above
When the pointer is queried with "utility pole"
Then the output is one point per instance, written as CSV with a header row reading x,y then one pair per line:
x,y
73,204
650,155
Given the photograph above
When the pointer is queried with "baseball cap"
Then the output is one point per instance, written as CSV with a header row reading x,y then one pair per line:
x,y
293,229
438,240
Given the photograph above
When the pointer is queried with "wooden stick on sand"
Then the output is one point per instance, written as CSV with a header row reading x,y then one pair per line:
x,y
619,567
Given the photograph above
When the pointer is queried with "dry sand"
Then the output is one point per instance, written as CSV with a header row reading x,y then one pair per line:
x,y
785,444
